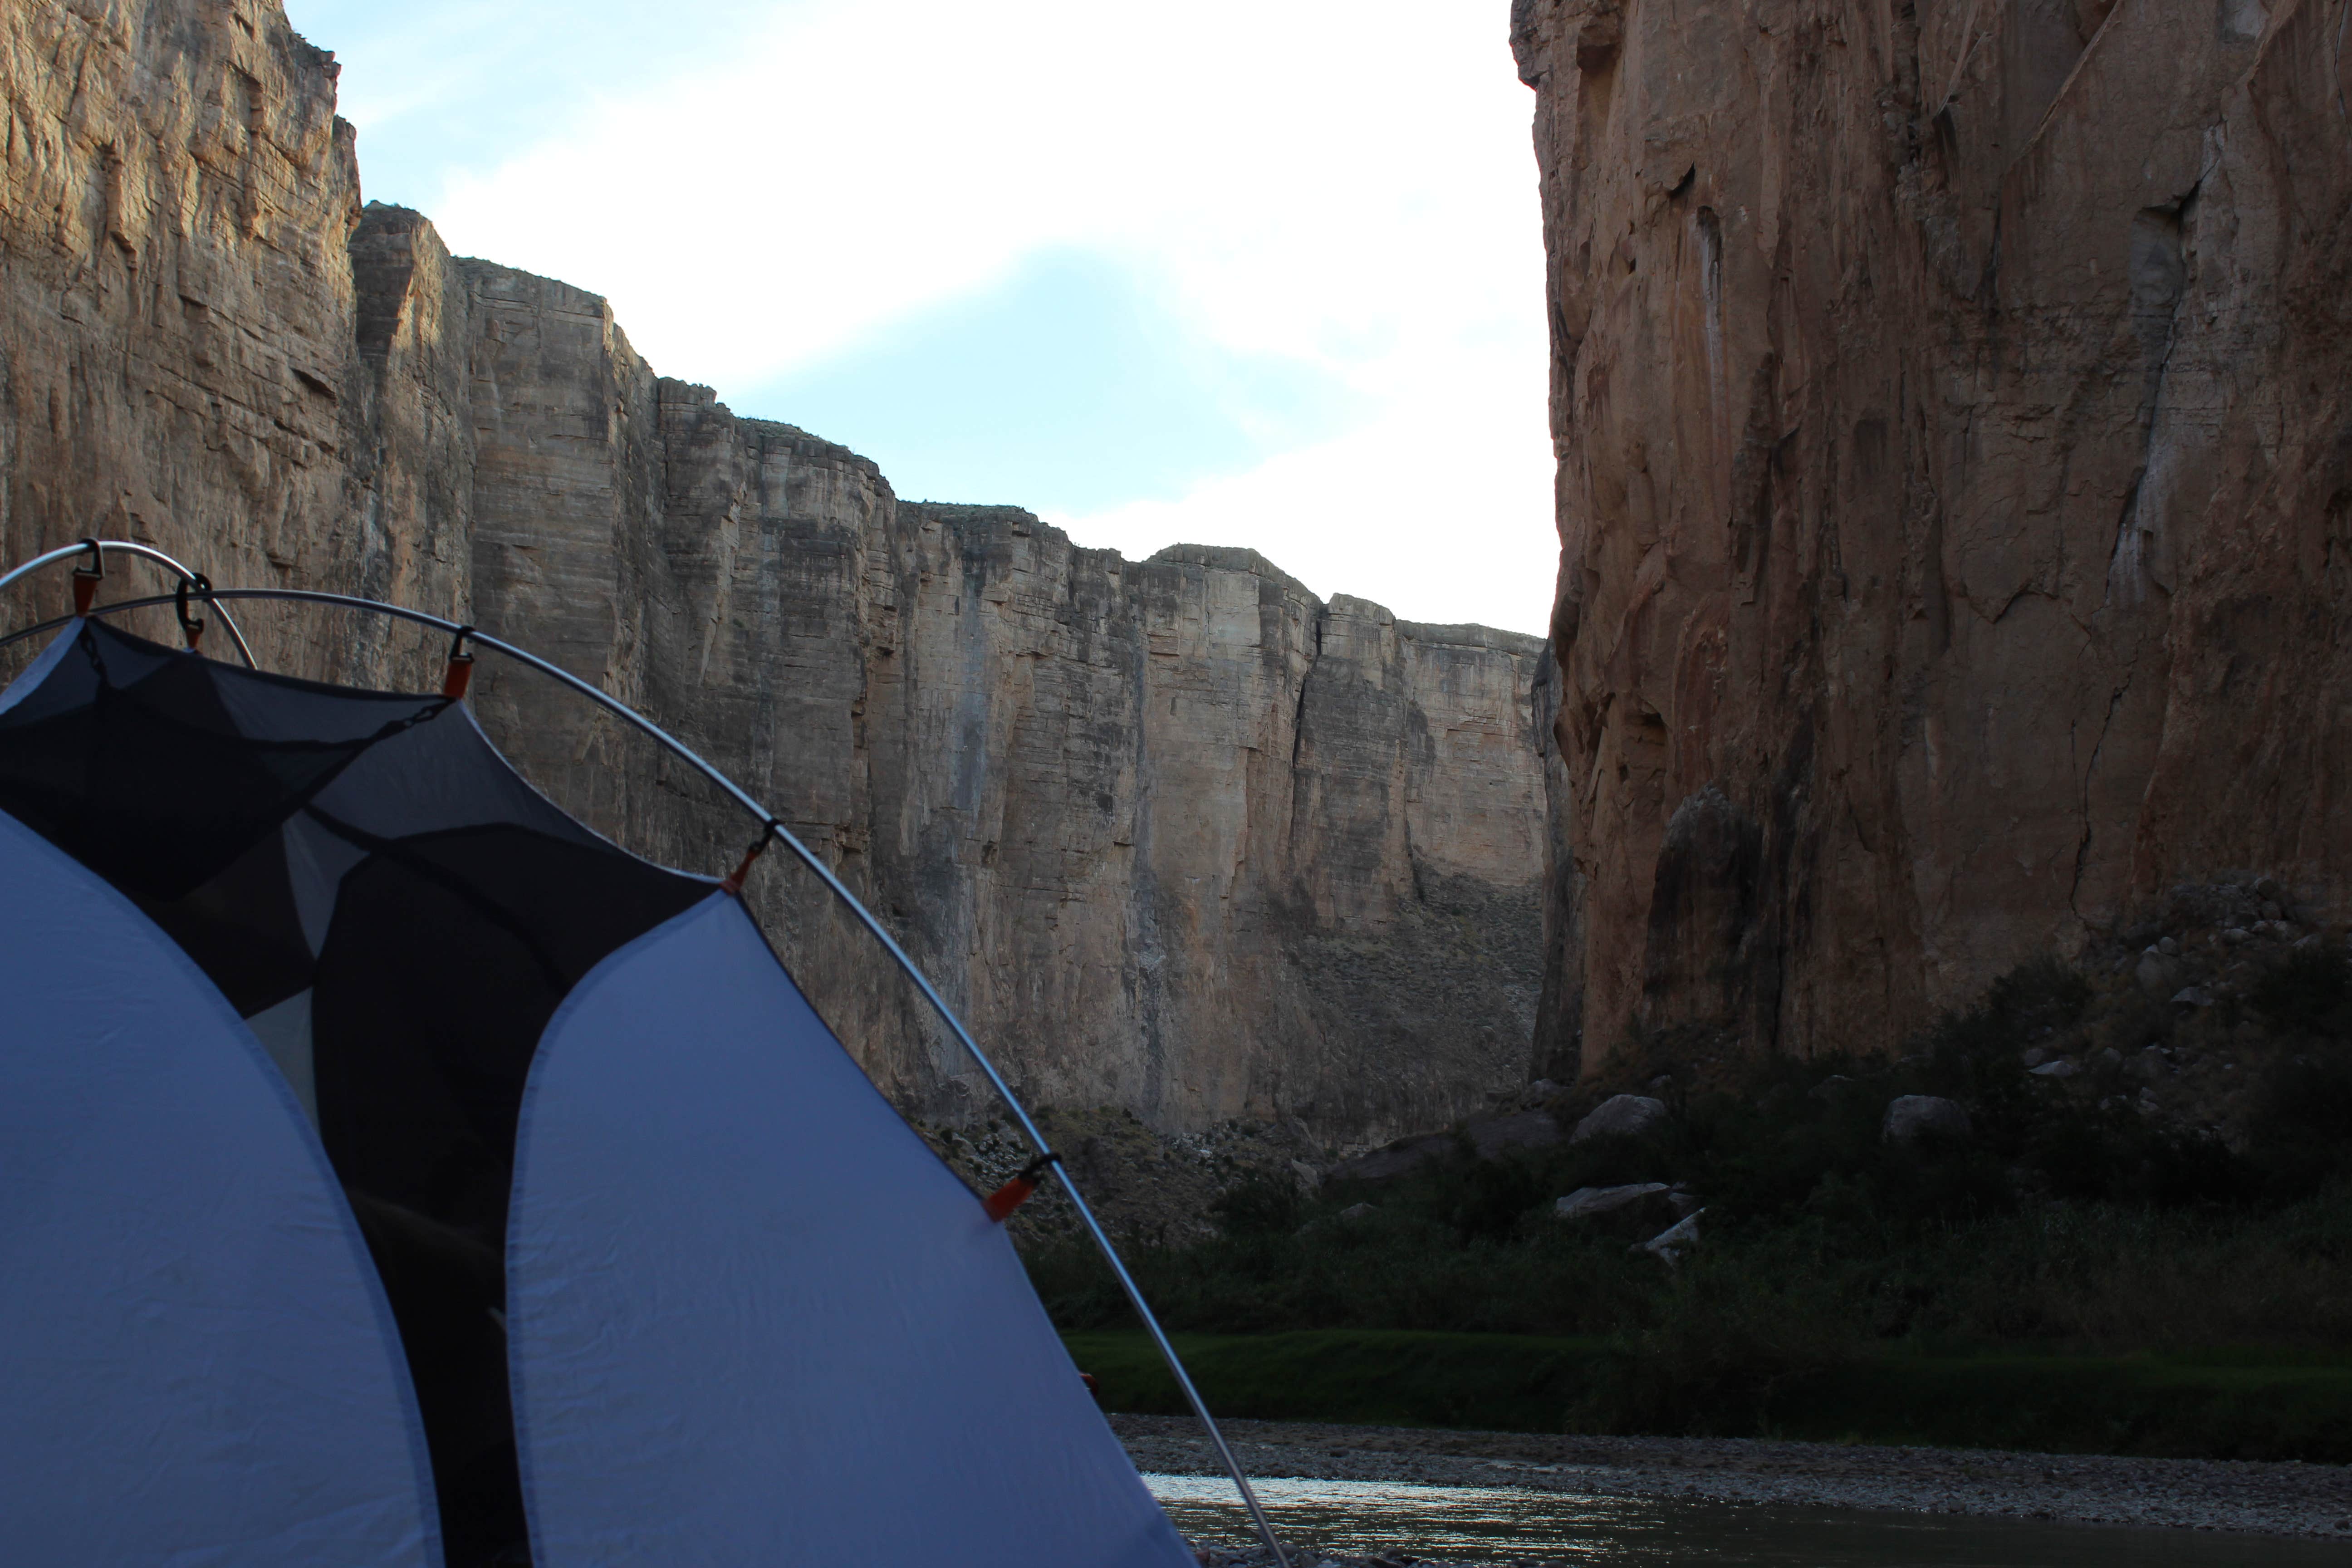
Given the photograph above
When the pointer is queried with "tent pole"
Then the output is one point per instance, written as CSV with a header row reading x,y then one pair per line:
x,y
824,874
144,553
1094,1227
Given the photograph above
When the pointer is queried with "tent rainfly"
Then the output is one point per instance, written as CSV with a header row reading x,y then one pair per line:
x,y
393,1173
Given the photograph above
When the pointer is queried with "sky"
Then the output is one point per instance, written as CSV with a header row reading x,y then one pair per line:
x,y
1247,272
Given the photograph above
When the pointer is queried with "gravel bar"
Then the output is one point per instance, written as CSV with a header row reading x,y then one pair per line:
x,y
2310,1500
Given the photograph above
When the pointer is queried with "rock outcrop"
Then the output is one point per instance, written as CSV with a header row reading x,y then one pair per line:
x,y
1954,491
1177,835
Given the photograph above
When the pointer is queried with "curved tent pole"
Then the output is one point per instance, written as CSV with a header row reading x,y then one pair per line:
x,y
144,553
770,827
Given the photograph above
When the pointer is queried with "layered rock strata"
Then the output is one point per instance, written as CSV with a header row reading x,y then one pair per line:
x,y
1955,490
1176,834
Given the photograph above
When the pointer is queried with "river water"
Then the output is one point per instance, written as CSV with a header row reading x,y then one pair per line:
x,y
1366,1517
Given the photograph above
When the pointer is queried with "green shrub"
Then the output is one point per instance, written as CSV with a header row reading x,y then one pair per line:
x,y
2310,990
2057,1228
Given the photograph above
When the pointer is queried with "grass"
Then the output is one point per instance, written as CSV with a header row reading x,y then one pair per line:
x,y
1383,1377
2231,1404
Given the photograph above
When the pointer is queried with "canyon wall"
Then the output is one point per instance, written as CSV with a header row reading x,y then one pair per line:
x,y
179,358
1954,491
1176,834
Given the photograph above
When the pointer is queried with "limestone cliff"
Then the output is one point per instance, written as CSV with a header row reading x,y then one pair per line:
x,y
1954,489
1178,835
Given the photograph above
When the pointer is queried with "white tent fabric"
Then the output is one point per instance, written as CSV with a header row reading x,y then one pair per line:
x,y
754,1319
198,1365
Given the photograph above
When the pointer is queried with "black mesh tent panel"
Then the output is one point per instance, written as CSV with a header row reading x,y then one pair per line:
x,y
155,772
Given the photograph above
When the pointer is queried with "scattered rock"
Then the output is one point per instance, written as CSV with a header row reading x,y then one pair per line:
x,y
1911,1116
1622,1116
1634,1210
1828,1086
2033,1056
2194,997
2063,1068
1542,1088
1668,1246
1356,1213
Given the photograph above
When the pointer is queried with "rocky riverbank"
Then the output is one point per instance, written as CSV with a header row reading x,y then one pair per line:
x,y
2313,1502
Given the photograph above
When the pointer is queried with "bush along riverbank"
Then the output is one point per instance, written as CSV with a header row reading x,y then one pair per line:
x,y
2108,1208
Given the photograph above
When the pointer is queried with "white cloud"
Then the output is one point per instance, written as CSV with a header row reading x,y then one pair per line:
x,y
1347,186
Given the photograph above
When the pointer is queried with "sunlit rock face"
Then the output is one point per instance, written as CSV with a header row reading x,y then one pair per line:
x,y
183,357
1177,835
1954,489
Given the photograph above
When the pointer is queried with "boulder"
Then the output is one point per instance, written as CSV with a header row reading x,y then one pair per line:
x,y
1356,1213
2157,974
1386,1165
1622,1116
2063,1068
1527,1130
1637,1208
1910,1117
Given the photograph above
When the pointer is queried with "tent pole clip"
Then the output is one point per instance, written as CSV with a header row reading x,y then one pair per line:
x,y
459,671
734,879
1001,1203
198,587
86,578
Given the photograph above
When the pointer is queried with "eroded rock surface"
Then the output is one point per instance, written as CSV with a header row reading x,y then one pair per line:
x,y
1176,834
1955,481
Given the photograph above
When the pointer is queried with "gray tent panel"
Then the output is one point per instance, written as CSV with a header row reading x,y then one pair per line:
x,y
753,1318
199,1366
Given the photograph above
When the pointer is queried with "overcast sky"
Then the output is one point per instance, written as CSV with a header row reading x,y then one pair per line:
x,y
1256,272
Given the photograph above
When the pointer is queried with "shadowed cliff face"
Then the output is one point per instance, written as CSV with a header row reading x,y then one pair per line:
x,y
1954,460
1176,834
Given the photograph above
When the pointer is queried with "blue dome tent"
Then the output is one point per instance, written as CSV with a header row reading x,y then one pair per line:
x,y
394,1172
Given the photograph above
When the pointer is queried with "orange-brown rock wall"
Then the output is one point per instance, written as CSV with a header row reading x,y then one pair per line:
x,y
1955,483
